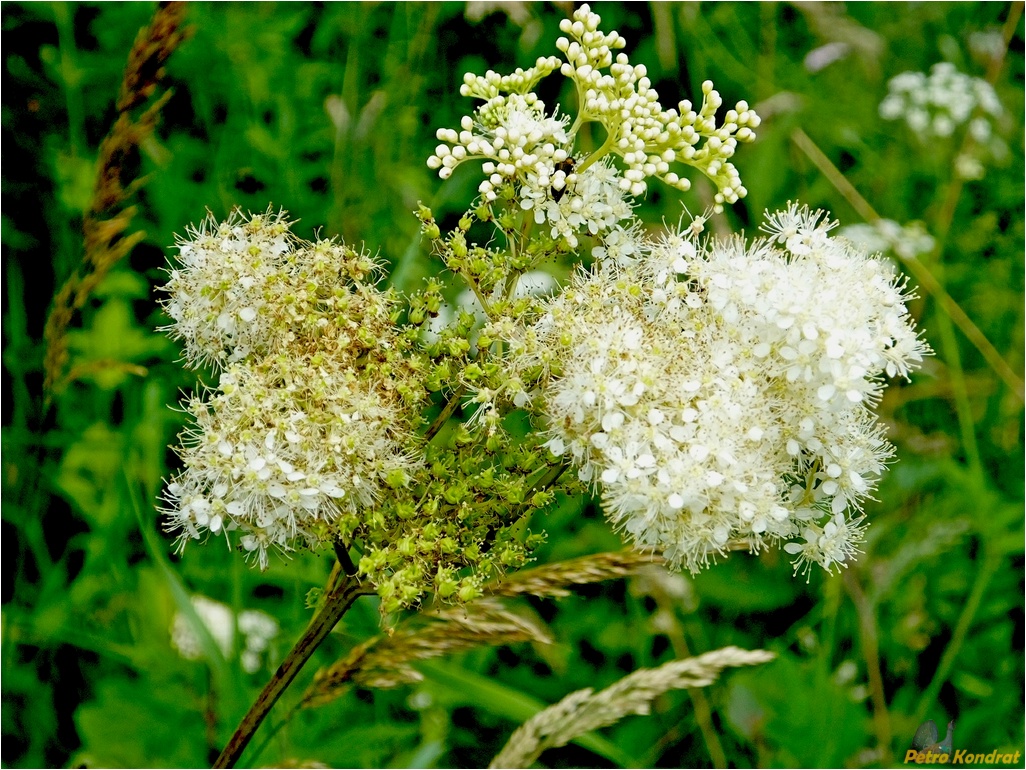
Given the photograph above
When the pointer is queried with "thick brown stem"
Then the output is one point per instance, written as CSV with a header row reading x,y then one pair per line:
x,y
336,602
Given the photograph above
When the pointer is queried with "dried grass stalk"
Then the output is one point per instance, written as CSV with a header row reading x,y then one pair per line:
x,y
105,225
385,661
585,710
556,579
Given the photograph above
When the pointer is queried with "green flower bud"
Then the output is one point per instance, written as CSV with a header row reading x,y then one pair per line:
x,y
396,478
468,592
446,587
534,540
406,546
541,499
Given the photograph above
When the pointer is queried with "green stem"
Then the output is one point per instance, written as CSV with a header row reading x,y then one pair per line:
x,y
699,702
270,733
336,602
63,15
445,414
871,652
988,569
551,477
599,153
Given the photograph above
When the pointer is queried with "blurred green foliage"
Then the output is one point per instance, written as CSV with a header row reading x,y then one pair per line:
x,y
330,110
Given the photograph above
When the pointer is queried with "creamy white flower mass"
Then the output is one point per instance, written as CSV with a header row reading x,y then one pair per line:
x,y
302,427
720,393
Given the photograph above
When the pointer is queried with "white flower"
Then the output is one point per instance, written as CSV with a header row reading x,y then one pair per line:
x,y
257,463
223,288
720,393
885,235
257,630
835,543
937,105
621,246
593,203
299,429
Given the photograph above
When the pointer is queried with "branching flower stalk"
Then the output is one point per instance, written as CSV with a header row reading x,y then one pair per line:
x,y
715,395
336,601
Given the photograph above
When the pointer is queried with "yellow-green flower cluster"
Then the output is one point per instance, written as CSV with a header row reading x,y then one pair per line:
x,y
312,436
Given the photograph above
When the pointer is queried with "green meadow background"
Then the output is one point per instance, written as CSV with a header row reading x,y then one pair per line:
x,y
330,111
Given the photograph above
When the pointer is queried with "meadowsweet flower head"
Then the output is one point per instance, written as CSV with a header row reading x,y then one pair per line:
x,y
310,436
936,106
720,393
312,415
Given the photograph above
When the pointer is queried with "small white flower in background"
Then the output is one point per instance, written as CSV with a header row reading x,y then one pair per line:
x,y
884,236
937,105
987,44
257,630
721,393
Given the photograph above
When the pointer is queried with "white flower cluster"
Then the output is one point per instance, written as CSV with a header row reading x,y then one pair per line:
x,y
516,138
257,630
528,154
596,204
223,292
885,235
936,105
301,428
721,394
